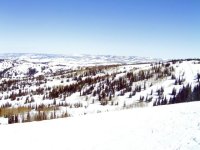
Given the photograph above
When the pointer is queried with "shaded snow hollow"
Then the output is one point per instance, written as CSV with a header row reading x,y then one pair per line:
x,y
171,127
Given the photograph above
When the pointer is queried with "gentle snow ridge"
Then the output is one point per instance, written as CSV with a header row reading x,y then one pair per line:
x,y
169,127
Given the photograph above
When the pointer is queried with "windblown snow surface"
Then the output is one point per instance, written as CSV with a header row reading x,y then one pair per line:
x,y
171,127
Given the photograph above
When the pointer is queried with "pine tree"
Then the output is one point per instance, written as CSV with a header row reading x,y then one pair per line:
x,y
174,91
198,76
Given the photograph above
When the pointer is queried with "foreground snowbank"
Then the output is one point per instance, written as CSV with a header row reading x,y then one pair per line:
x,y
158,128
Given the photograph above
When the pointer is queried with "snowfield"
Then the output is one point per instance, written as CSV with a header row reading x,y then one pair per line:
x,y
171,127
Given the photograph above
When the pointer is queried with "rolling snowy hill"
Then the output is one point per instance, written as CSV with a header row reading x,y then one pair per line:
x,y
82,89
172,127
37,87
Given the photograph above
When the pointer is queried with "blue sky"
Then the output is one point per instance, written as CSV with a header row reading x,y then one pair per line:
x,y
153,28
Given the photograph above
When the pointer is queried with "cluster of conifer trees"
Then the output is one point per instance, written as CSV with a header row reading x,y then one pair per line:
x,y
185,94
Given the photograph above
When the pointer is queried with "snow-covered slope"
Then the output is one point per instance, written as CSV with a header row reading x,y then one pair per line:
x,y
172,127
27,88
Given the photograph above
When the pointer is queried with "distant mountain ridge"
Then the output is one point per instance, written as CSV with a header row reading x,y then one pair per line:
x,y
83,58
